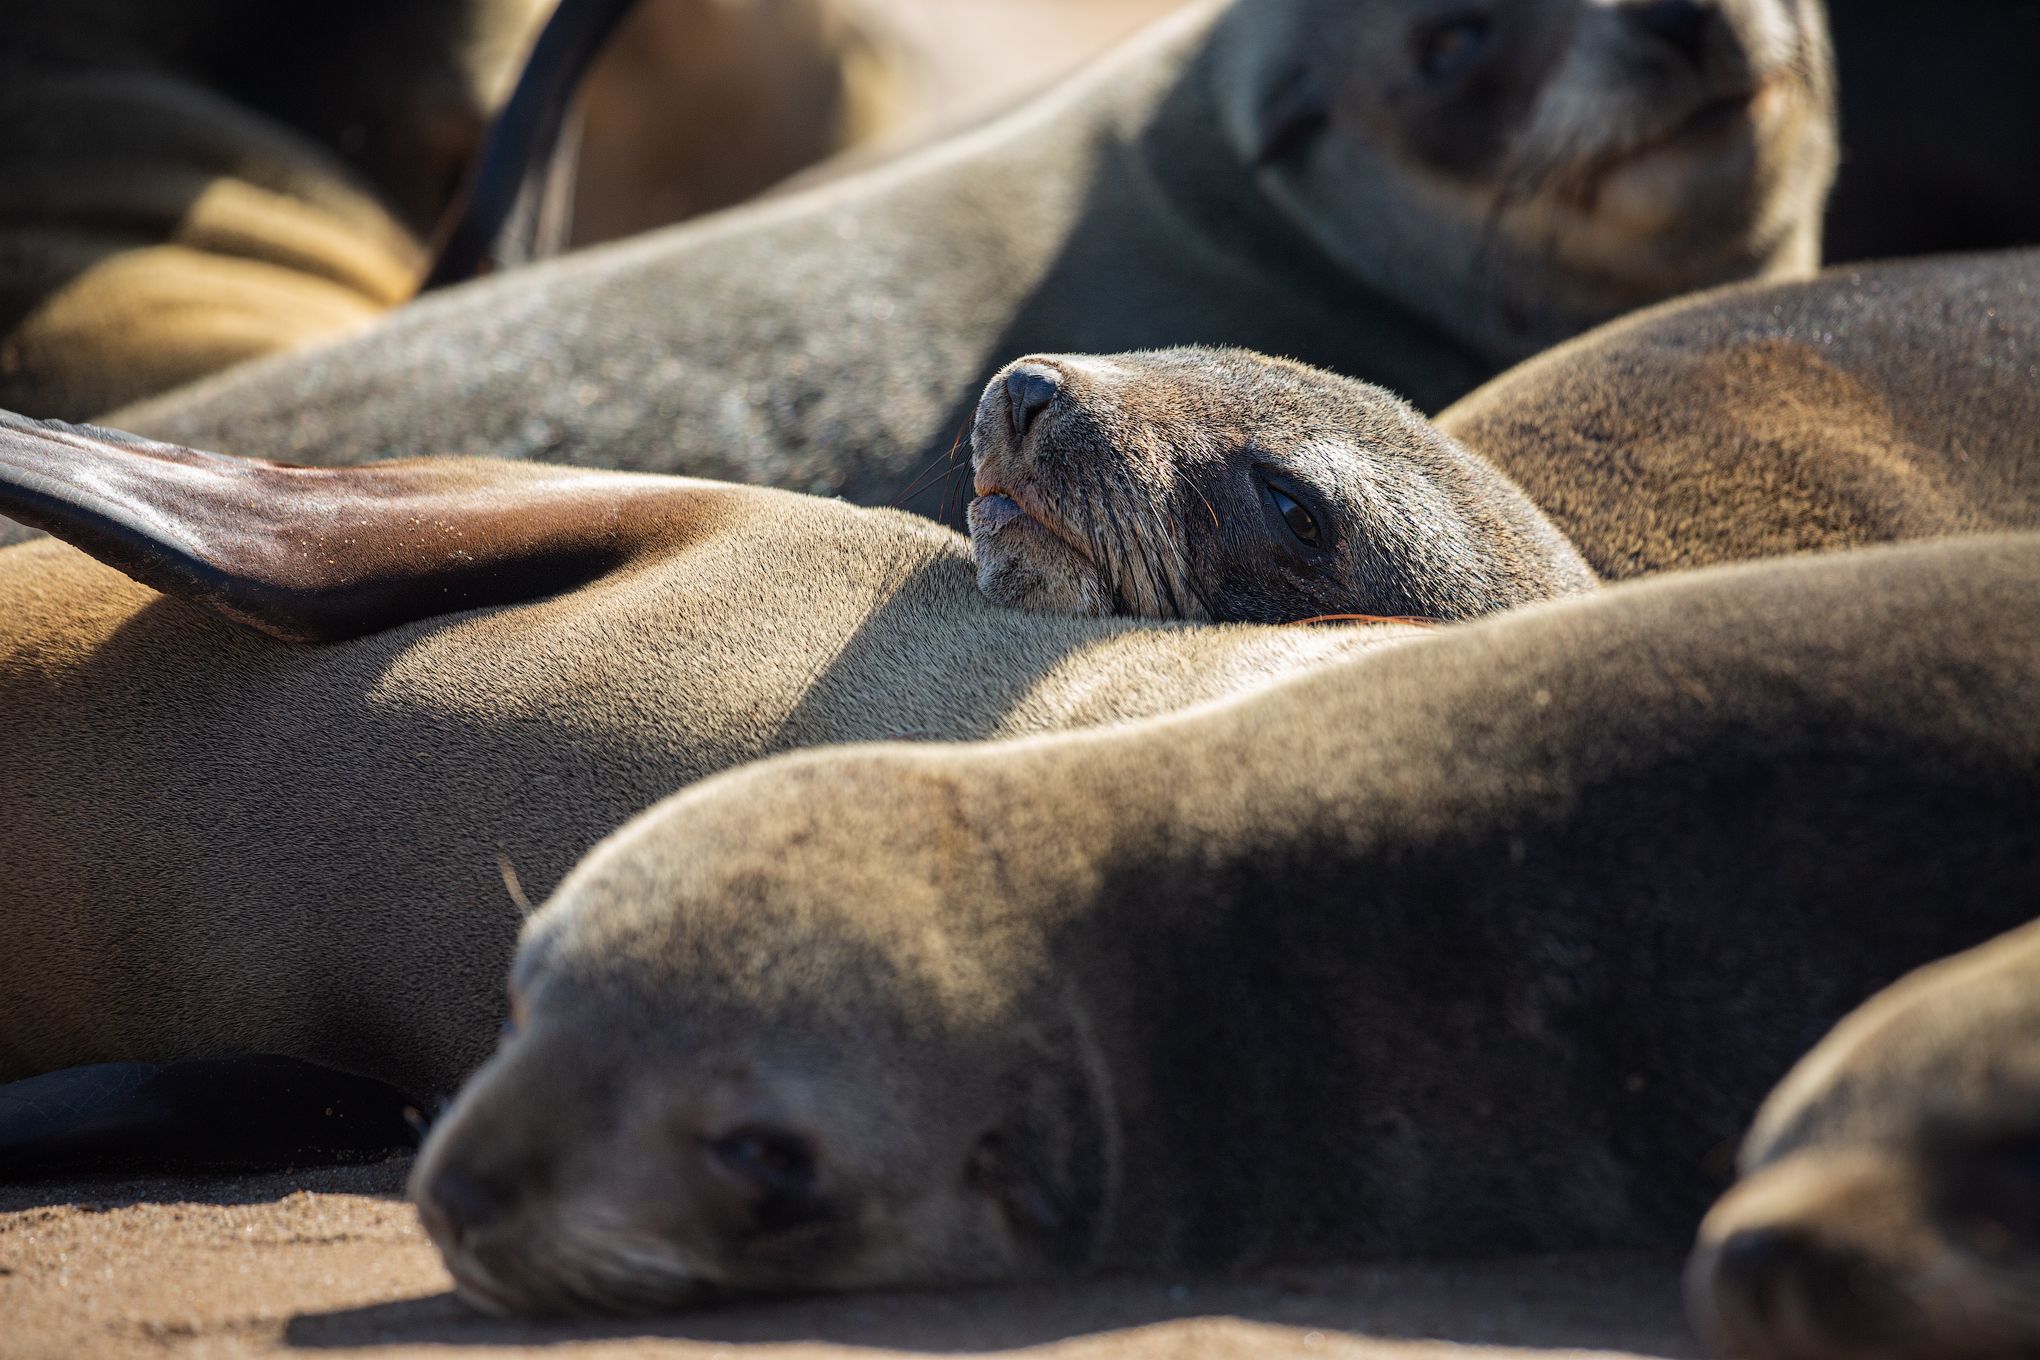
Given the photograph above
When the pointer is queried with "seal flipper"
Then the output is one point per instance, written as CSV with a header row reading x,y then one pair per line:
x,y
198,1114
324,554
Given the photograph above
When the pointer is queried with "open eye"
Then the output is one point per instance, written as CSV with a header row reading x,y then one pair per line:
x,y
1289,507
1450,47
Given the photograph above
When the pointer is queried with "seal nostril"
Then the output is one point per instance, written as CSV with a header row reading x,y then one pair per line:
x,y
1753,1269
464,1203
1029,391
1682,25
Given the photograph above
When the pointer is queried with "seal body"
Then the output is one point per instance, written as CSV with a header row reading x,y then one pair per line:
x,y
1870,404
197,182
1886,1205
1485,943
1241,175
322,679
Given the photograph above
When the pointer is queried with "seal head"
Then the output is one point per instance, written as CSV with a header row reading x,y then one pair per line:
x,y
1890,1200
1518,169
1223,485
844,1098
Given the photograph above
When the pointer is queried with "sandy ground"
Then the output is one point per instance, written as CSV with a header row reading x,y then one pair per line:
x,y
331,1261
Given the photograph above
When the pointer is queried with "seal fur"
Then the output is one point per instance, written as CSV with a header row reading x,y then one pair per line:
x,y
1240,175
1222,485
1886,1206
1481,944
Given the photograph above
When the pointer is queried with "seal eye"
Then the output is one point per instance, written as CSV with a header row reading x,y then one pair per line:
x,y
1294,514
1450,47
773,1160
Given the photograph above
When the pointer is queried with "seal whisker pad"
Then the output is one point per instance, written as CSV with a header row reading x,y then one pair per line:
x,y
1222,485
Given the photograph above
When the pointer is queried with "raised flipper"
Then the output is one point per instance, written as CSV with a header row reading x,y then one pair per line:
x,y
201,1114
324,554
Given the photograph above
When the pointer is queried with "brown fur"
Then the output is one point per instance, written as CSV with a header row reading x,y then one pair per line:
x,y
1870,404
1480,944
1278,174
1887,1206
196,182
1153,484
223,843
698,104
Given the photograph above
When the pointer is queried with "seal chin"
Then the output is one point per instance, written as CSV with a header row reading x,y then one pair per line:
x,y
1022,564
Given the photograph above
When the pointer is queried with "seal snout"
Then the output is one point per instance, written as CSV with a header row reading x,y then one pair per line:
x,y
456,1206
1030,389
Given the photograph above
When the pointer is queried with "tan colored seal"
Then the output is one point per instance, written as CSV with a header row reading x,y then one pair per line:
x,y
1225,485
268,810
1480,944
1890,1200
1411,197
196,182
1870,404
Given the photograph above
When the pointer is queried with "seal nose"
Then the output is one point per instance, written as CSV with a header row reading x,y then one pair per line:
x,y
1684,26
461,1205
1028,393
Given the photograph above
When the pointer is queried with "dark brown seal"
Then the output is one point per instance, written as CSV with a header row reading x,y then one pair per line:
x,y
1890,1200
1224,485
1409,196
1485,943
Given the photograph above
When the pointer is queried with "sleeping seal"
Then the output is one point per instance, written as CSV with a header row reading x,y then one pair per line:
x,y
512,660
1479,944
1890,1200
1403,191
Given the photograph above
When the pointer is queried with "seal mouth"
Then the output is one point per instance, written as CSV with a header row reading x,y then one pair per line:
x,y
1710,121
999,509
990,513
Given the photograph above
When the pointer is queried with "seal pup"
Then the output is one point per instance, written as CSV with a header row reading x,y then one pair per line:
x,y
1223,485
1380,188
195,182
1888,1193
268,810
1869,404
1481,944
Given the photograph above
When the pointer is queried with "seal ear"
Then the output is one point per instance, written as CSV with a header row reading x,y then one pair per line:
x,y
324,554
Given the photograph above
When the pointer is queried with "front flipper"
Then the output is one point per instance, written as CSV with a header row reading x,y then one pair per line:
x,y
324,554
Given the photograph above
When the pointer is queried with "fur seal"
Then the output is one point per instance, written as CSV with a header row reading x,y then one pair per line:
x,y
1887,1206
194,182
1480,944
1869,404
478,662
1222,485
1375,188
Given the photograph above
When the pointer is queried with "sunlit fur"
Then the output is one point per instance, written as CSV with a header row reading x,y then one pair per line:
x,y
1142,492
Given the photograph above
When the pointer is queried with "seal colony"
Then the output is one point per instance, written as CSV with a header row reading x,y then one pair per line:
x,y
1478,944
635,633
1278,175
